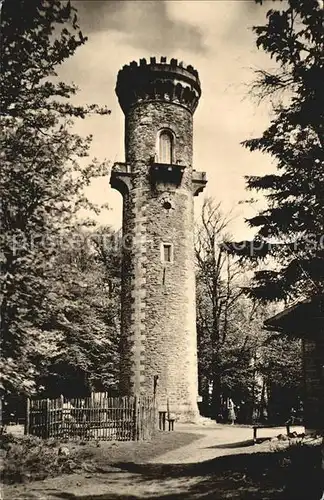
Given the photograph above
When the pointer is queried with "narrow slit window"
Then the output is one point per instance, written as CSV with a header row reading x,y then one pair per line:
x,y
167,252
165,147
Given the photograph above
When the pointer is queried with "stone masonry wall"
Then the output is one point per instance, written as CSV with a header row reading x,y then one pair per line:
x,y
159,320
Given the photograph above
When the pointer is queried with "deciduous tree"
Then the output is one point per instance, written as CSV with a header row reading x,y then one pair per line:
x,y
85,314
236,357
43,172
217,296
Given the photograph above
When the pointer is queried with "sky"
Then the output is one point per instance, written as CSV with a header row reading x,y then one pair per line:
x,y
215,37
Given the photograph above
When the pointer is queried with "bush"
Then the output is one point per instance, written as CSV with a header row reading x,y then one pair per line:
x,y
305,478
27,458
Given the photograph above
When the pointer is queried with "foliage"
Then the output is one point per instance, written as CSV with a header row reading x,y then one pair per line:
x,y
85,310
235,356
303,460
290,229
279,363
217,294
29,458
43,175
225,343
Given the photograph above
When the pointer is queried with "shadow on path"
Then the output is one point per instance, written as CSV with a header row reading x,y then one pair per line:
x,y
229,446
237,477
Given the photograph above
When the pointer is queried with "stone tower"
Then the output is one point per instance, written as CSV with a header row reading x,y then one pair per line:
x,y
157,182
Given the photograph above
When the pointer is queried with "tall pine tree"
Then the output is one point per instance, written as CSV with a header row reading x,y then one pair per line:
x,y
290,230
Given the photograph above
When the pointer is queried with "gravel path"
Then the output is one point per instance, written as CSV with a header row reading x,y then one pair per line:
x,y
216,441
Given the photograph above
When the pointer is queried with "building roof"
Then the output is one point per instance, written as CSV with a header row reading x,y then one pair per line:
x,y
301,319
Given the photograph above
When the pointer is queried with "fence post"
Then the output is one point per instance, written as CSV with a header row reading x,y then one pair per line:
x,y
60,423
153,419
47,419
27,417
135,420
155,409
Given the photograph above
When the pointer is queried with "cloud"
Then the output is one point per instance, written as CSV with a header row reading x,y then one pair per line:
x,y
143,24
215,37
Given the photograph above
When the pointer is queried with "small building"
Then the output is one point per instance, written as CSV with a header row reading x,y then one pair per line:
x,y
305,320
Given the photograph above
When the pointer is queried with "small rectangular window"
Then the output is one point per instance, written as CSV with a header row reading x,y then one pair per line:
x,y
167,252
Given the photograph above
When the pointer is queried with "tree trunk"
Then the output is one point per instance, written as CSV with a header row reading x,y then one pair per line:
x,y
216,402
263,403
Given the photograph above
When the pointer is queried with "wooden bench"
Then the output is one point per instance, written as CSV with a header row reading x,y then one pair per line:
x,y
265,426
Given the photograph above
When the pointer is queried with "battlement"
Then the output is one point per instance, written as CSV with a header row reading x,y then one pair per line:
x,y
169,81
173,63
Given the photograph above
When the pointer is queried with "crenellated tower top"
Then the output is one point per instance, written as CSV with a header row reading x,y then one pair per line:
x,y
159,81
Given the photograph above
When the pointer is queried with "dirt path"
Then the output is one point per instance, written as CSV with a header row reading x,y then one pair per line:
x,y
217,441
177,474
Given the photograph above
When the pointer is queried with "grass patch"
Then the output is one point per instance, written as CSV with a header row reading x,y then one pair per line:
x,y
28,458
138,452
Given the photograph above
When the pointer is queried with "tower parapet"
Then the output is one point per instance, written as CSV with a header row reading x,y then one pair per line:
x,y
159,81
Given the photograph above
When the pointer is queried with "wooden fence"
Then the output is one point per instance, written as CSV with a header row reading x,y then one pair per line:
x,y
96,418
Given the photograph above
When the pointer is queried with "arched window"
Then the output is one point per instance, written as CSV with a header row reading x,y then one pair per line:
x,y
165,147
